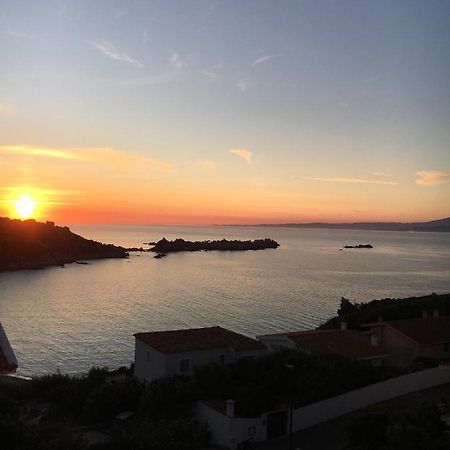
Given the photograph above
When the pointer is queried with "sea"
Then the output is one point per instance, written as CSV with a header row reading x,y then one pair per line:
x,y
70,319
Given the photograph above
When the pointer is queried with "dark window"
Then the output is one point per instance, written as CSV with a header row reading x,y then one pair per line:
x,y
185,365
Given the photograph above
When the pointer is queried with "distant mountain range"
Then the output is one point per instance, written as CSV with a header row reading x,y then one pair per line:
x,y
441,225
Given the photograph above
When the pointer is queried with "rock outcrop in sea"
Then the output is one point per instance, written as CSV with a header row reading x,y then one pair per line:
x,y
180,245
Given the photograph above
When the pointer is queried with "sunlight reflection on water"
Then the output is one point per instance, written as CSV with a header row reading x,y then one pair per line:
x,y
86,315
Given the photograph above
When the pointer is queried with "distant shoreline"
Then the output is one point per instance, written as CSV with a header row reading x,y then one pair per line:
x,y
437,226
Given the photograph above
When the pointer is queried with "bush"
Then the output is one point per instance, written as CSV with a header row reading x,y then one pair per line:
x,y
368,429
168,398
107,400
179,434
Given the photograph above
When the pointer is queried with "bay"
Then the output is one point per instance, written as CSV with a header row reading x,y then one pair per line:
x,y
83,315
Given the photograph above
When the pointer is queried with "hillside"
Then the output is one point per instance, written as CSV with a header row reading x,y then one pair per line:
x,y
32,245
440,225
356,314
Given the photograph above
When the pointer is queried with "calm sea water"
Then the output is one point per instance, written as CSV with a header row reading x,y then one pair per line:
x,y
84,315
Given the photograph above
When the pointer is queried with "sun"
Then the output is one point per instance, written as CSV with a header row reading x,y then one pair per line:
x,y
25,206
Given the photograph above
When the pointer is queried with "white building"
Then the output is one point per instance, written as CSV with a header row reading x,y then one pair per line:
x,y
8,361
161,354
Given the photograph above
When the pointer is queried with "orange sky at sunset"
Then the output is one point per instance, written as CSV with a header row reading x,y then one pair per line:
x,y
210,112
104,185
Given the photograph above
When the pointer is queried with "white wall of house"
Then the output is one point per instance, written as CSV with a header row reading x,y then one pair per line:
x,y
360,398
7,350
151,364
230,431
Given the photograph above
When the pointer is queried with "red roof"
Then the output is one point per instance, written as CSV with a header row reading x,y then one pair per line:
x,y
178,341
347,343
429,331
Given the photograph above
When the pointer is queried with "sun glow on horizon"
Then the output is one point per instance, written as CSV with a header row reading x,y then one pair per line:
x,y
25,206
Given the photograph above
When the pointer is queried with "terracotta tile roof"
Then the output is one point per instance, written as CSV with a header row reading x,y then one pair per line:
x,y
432,330
178,341
347,343
217,405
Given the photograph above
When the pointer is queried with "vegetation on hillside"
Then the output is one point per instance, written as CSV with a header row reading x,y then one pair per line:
x,y
29,244
357,314
380,428
162,411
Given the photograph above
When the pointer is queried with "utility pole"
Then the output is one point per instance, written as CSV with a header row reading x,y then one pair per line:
x,y
291,404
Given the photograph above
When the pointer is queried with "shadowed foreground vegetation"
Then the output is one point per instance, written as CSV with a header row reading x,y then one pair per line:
x,y
380,428
163,410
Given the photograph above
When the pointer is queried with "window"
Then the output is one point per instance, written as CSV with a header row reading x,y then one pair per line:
x,y
222,359
185,366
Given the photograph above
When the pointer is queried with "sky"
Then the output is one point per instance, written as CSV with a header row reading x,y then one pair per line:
x,y
208,112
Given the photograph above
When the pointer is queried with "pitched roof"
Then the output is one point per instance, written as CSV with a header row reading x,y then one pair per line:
x,y
432,330
347,343
178,341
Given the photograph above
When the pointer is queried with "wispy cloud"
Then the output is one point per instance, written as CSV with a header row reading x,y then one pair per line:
x,y
206,164
381,174
162,78
17,150
144,37
350,180
177,61
212,73
108,50
432,177
243,85
119,14
118,159
243,153
17,34
261,60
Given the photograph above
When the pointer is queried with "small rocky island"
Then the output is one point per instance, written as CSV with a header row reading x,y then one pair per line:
x,y
29,244
359,246
180,245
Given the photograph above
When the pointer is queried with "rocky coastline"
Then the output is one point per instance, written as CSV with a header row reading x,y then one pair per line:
x,y
29,244
164,246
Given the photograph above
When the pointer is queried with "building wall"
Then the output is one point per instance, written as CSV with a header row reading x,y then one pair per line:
x,y
149,364
201,357
274,343
7,351
231,431
400,349
351,401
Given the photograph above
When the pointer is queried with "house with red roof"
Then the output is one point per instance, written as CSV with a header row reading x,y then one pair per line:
x,y
406,340
161,354
8,361
350,344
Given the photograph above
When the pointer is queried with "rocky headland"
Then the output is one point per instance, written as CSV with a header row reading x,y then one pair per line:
x,y
29,244
180,245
